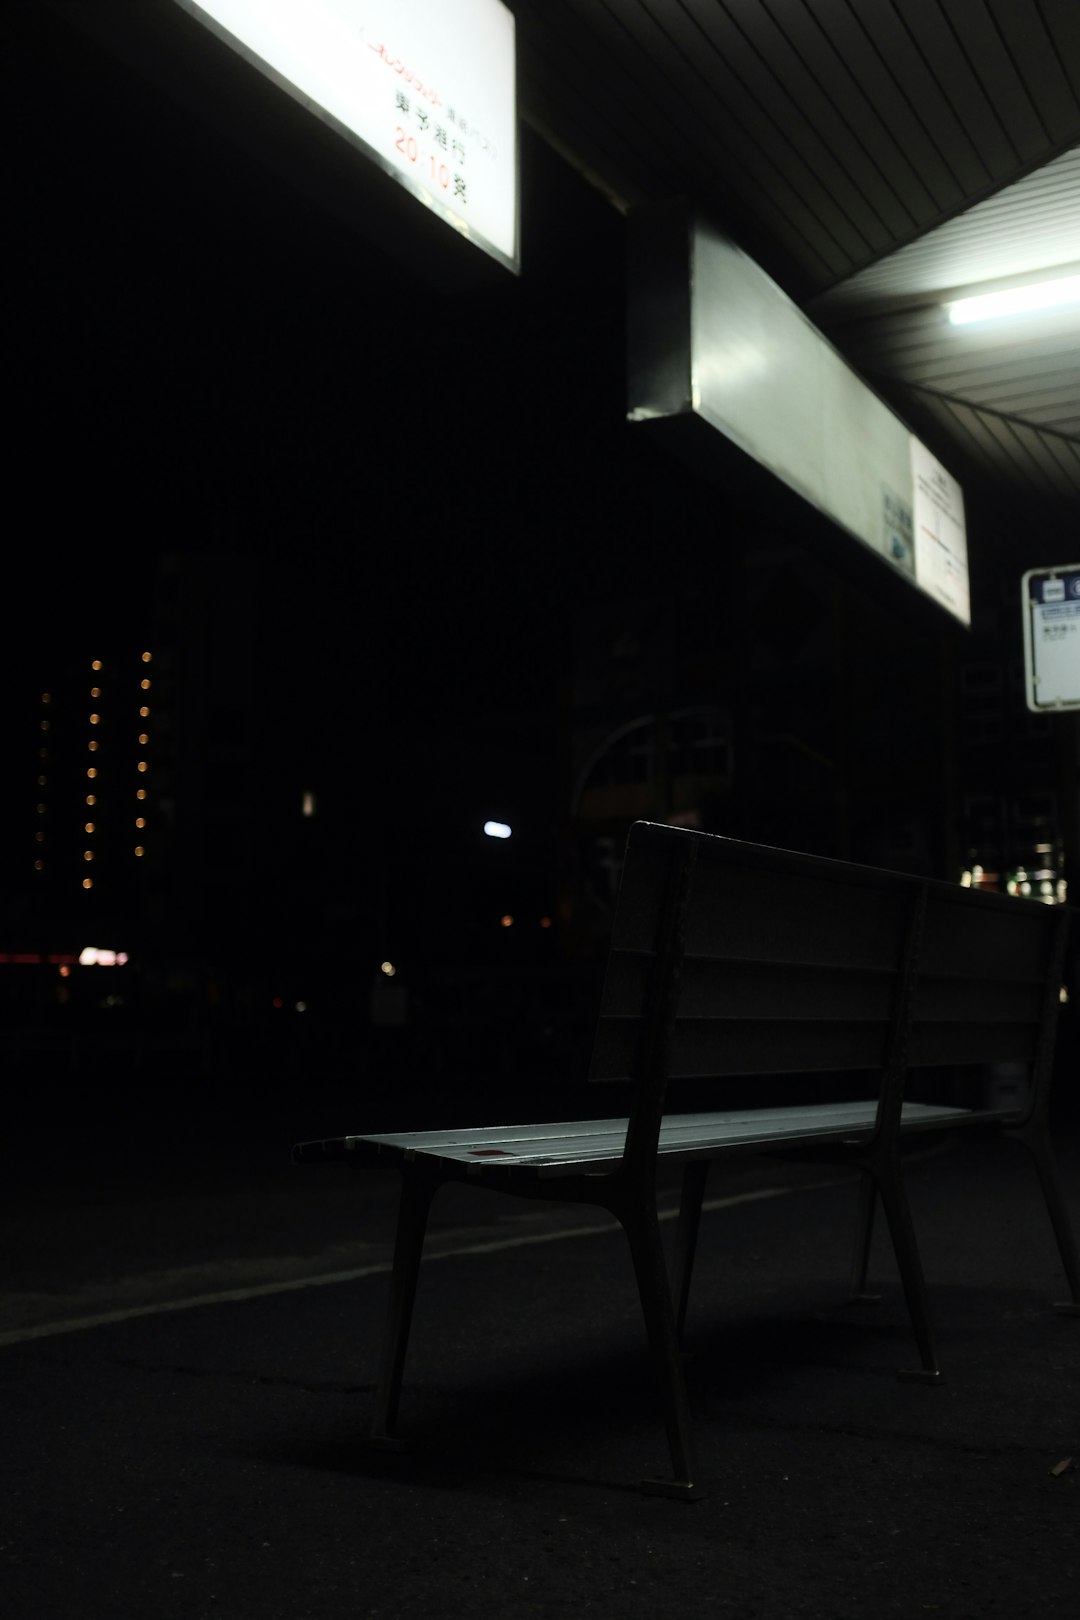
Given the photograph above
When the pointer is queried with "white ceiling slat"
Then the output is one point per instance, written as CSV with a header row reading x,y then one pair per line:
x,y
931,352
994,239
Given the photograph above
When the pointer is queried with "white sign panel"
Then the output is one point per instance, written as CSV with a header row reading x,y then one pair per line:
x,y
1051,605
427,88
941,566
750,364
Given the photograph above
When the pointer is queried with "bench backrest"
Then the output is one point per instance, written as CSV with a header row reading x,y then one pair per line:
x,y
732,959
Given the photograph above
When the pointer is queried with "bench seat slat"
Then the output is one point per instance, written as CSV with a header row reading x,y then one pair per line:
x,y
598,1144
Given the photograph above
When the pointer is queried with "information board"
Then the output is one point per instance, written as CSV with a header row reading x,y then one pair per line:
x,y
711,336
1051,608
425,88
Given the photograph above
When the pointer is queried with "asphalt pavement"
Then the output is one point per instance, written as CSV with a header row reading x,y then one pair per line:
x,y
188,1350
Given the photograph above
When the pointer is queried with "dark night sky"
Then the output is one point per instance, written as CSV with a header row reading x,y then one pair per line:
x,y
424,481
206,358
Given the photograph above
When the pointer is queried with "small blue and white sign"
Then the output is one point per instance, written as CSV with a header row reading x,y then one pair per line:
x,y
1051,608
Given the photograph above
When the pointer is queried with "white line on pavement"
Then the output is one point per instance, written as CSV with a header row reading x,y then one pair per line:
x,y
77,1324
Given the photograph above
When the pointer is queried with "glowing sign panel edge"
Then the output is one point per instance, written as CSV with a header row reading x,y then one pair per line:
x,y
426,89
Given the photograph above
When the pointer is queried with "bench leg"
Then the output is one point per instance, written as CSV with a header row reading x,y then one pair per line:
x,y
1037,1142
864,1232
417,1190
894,1201
686,1235
643,1232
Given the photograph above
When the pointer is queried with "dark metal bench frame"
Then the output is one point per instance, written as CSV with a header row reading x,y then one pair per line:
x,y
677,890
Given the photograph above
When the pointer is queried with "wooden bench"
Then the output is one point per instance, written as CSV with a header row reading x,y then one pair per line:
x,y
731,959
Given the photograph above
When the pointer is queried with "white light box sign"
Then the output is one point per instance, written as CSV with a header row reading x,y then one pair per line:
x,y
712,336
425,88
1051,606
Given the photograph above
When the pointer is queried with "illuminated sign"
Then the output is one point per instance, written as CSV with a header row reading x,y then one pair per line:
x,y
425,88
939,533
713,338
1051,608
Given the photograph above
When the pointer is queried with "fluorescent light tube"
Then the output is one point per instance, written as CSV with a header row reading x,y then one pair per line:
x,y
1016,300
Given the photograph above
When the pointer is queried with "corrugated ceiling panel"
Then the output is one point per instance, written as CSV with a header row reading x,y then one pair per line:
x,y
854,161
884,150
875,71
1007,91
891,35
770,139
947,66
1024,26
1005,451
1031,224
838,140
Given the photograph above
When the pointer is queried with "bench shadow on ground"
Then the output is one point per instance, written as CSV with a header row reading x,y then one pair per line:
x,y
535,1423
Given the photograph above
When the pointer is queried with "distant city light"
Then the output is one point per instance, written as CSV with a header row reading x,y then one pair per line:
x,y
145,685
95,663
88,883
301,1006
307,804
545,922
388,968
146,657
506,922
496,829
93,956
